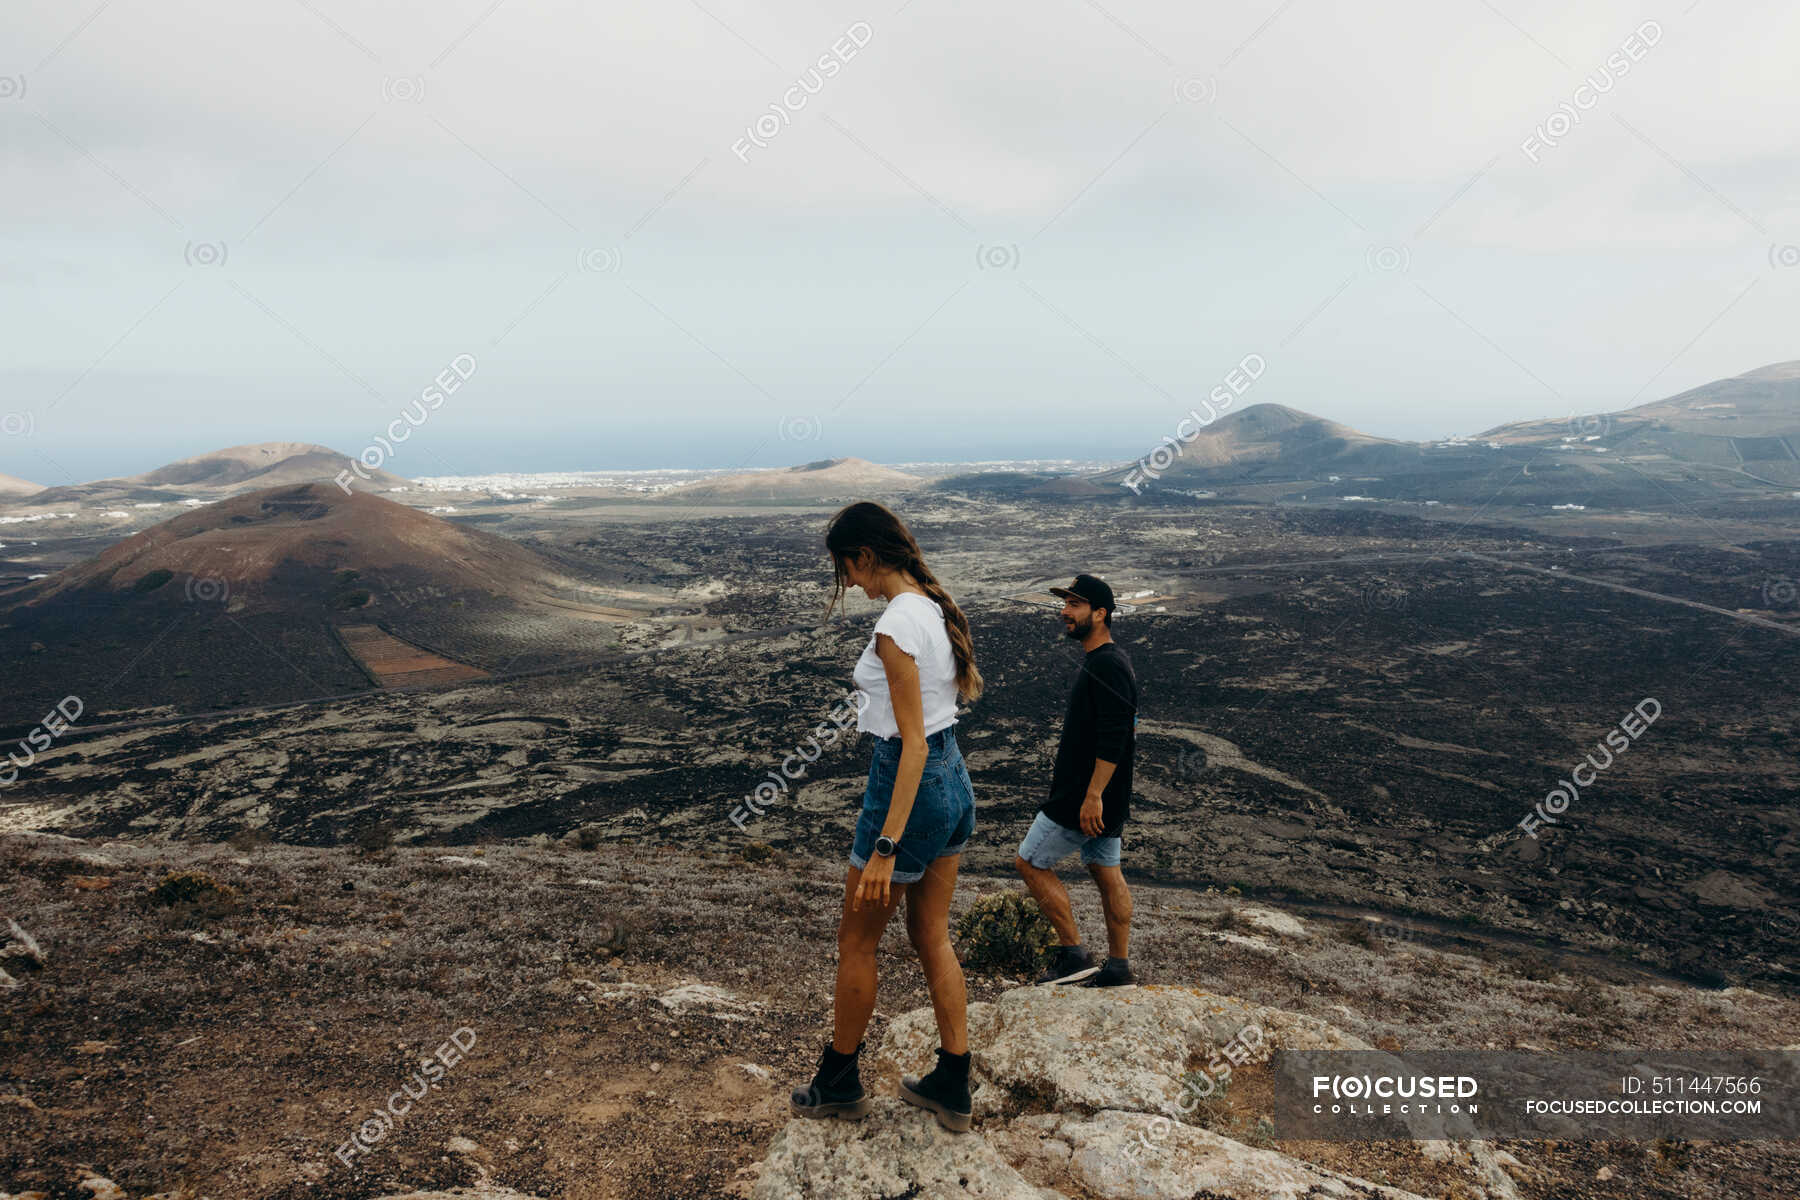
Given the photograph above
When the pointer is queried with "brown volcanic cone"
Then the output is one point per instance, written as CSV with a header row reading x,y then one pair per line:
x,y
242,545
284,594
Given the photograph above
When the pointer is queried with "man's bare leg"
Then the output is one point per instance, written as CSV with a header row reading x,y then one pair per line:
x,y
1053,899
1115,901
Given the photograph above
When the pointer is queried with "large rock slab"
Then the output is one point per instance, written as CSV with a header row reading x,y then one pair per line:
x,y
1107,1154
1087,1049
897,1150
1082,1093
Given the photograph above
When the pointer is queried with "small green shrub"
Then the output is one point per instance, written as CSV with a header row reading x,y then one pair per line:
x,y
191,887
758,852
1004,931
589,837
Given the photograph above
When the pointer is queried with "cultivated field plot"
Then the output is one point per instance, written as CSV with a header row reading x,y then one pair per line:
x,y
395,663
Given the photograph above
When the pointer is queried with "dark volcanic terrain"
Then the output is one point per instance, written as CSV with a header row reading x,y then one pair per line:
x,y
1349,709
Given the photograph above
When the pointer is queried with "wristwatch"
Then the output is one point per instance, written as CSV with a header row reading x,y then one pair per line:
x,y
885,847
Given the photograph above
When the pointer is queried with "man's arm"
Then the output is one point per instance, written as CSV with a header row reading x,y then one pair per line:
x,y
1093,818
1114,713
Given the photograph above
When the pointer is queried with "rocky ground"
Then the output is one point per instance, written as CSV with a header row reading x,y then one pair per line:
x,y
632,1023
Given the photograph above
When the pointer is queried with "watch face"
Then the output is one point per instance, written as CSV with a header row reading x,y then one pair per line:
x,y
884,846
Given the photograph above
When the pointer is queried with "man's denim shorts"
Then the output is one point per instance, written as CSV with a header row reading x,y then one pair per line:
x,y
1047,843
943,812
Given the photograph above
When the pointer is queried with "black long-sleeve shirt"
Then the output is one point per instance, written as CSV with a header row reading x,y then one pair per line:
x,y
1100,724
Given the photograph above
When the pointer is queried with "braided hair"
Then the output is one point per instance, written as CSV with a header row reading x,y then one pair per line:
x,y
869,526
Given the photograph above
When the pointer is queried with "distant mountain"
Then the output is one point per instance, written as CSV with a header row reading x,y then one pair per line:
x,y
1760,403
229,471
12,485
1275,442
1738,431
264,464
287,593
1733,439
827,479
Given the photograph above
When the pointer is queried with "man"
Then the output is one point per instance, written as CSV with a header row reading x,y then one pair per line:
x,y
1090,793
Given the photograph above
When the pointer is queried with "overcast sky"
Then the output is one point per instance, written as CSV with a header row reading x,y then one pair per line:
x,y
1004,230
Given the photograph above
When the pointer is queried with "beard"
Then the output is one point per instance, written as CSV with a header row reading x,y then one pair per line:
x,y
1078,631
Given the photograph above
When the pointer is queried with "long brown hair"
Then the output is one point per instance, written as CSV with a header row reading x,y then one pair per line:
x,y
869,526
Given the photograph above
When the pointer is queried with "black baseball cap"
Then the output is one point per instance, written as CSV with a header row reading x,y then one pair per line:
x,y
1089,589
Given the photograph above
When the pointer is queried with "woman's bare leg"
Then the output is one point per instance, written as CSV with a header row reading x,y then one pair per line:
x,y
859,933
928,925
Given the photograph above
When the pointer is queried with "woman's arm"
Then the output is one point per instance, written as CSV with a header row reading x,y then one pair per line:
x,y
909,714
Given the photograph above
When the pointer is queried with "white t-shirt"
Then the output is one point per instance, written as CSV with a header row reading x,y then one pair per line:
x,y
916,623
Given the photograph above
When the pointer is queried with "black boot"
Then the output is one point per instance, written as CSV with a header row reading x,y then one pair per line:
x,y
836,1090
945,1091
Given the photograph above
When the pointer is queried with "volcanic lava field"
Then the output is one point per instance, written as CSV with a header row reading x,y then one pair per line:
x,y
1341,708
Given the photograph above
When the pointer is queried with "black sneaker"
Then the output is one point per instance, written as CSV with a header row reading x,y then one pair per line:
x,y
836,1089
945,1091
1072,964
1116,973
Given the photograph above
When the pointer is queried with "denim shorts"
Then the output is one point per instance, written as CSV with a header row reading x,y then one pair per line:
x,y
1047,843
943,811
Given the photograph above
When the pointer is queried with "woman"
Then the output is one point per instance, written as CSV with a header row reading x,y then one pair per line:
x,y
917,811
